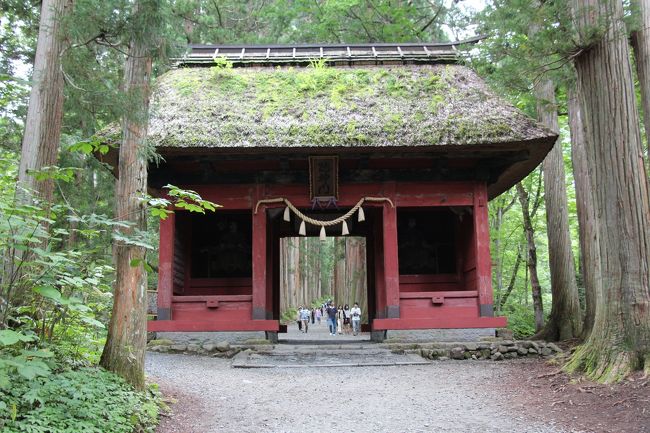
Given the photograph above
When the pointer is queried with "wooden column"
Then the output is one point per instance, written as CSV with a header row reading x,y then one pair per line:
x,y
166,267
272,269
259,258
391,266
378,268
483,259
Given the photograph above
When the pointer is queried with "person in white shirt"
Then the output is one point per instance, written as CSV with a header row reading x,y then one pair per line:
x,y
355,312
305,316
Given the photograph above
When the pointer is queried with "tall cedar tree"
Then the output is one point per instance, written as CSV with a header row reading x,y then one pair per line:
x,y
620,339
590,255
126,342
42,135
40,144
526,39
565,320
641,44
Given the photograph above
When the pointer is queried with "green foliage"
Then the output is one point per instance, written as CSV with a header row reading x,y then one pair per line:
x,y
89,146
55,287
86,400
521,320
289,316
184,199
304,21
17,359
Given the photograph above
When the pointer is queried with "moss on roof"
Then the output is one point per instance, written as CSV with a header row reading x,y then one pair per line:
x,y
364,106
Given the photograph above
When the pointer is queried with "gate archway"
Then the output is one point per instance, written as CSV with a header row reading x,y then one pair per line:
x,y
445,146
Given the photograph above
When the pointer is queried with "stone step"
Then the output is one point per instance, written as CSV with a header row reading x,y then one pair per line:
x,y
318,358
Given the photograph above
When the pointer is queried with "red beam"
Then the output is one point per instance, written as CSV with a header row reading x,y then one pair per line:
x,y
439,323
428,278
211,326
220,298
406,194
448,294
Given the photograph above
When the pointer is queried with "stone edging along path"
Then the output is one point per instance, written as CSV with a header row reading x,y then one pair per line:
x,y
484,350
496,350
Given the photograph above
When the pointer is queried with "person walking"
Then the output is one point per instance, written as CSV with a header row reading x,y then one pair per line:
x,y
356,318
319,314
299,319
313,315
347,326
339,320
331,318
304,318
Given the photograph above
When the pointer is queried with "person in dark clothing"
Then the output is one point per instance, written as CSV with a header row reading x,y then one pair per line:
x,y
331,318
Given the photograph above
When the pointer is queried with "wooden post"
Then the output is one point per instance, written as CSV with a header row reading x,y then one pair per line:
x,y
259,258
166,267
391,267
483,259
378,269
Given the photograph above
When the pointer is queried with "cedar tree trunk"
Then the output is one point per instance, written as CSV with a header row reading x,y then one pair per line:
x,y
590,256
40,145
641,47
536,288
127,332
565,320
620,339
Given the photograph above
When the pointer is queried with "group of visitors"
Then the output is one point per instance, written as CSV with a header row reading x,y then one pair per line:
x,y
340,320
305,315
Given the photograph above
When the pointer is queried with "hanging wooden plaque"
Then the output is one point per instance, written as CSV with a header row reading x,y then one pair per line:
x,y
323,177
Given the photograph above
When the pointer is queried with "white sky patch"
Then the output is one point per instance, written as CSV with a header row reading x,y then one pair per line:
x,y
467,7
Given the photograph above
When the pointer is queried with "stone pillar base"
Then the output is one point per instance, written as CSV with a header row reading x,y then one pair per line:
x,y
272,336
377,336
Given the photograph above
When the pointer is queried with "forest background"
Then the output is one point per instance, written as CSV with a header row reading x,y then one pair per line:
x,y
56,304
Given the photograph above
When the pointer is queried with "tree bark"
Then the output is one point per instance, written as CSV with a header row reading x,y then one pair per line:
x,y
641,46
620,339
500,206
536,288
511,284
590,257
40,145
127,337
565,320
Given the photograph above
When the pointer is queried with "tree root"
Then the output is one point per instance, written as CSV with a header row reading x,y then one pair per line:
x,y
553,373
602,365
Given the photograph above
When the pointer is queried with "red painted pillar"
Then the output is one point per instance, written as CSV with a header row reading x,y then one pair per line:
x,y
166,267
391,266
378,266
259,259
483,259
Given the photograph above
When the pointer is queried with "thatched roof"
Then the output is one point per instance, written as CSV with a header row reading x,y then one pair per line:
x,y
388,106
373,103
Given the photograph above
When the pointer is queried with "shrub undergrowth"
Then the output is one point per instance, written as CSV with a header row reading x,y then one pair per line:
x,y
89,400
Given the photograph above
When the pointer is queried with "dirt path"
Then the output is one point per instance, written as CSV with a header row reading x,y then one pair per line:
x,y
444,396
575,401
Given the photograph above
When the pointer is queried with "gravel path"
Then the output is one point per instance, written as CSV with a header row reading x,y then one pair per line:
x,y
444,396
